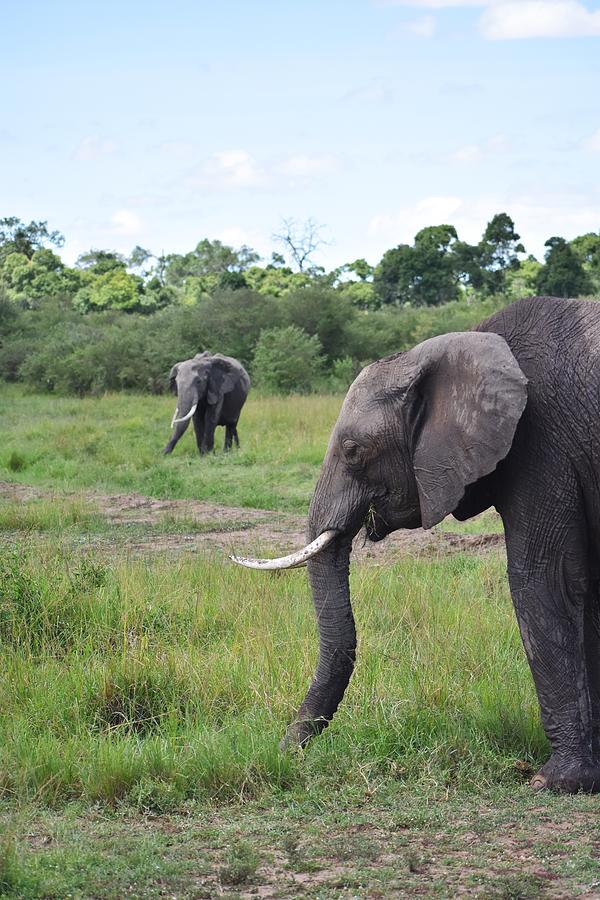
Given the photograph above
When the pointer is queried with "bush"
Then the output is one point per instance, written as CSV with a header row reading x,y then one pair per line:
x,y
287,360
343,373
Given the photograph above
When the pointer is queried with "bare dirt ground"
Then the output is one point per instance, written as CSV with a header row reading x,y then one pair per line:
x,y
241,530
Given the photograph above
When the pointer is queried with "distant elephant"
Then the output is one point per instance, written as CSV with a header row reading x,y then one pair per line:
x,y
507,415
211,390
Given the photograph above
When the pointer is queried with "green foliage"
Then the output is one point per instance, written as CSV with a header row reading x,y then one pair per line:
x,y
208,258
275,281
563,275
100,262
17,237
113,323
114,289
421,275
587,249
287,360
321,311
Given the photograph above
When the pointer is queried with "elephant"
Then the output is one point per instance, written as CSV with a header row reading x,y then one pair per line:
x,y
505,415
211,390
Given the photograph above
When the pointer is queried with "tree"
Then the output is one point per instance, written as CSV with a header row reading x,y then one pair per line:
x,y
114,289
563,274
422,275
287,360
361,268
300,241
587,249
99,262
435,278
499,249
16,237
322,311
522,282
484,266
28,281
208,258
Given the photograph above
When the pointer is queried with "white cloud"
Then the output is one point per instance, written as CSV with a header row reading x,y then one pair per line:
x,y
424,27
514,19
307,166
431,4
93,147
126,223
592,143
470,153
230,168
538,18
402,226
475,153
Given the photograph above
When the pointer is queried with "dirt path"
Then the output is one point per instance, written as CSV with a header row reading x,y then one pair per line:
x,y
240,530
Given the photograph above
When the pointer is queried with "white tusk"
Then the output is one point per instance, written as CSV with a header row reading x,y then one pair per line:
x,y
185,418
175,414
299,558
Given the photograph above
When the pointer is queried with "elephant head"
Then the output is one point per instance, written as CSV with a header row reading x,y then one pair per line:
x,y
415,430
189,380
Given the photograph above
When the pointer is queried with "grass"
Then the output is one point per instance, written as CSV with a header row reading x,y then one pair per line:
x,y
114,443
142,699
156,682
67,517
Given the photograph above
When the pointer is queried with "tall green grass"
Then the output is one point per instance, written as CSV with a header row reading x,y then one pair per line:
x,y
113,443
157,681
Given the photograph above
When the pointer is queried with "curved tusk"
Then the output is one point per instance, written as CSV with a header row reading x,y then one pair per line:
x,y
299,558
175,414
184,418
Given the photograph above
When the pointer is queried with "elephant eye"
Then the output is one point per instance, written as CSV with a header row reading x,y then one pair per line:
x,y
351,449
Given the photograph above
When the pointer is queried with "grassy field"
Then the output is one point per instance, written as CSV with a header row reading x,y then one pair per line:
x,y
143,697
113,443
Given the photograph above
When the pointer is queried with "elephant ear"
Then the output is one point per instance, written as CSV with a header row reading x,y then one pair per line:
x,y
173,378
221,381
470,394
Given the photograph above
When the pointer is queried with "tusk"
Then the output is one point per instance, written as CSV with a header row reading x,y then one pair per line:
x,y
299,558
175,414
184,418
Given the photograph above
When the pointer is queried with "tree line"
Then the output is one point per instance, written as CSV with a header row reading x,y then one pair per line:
x,y
112,322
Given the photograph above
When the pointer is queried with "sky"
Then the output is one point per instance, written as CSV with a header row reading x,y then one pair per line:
x,y
161,124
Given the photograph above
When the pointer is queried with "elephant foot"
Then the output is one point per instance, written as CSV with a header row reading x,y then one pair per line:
x,y
567,776
301,732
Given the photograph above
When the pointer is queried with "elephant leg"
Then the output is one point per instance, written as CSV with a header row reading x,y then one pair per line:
x,y
227,445
555,597
211,420
235,435
199,431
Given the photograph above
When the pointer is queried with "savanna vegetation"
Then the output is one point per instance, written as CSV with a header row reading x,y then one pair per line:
x,y
112,322
144,694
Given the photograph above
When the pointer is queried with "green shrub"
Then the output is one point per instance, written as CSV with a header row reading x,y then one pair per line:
x,y
287,360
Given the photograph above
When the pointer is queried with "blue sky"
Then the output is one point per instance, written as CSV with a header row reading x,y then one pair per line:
x,y
160,124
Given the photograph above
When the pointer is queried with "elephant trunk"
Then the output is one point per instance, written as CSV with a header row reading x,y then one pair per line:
x,y
186,407
329,580
340,505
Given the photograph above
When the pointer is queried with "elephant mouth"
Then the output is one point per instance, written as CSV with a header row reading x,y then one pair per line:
x,y
376,527
378,524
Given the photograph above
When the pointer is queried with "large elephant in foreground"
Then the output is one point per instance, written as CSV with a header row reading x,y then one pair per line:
x,y
211,390
507,415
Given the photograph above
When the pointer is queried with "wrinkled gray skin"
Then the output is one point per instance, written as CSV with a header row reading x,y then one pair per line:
x,y
219,386
506,415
